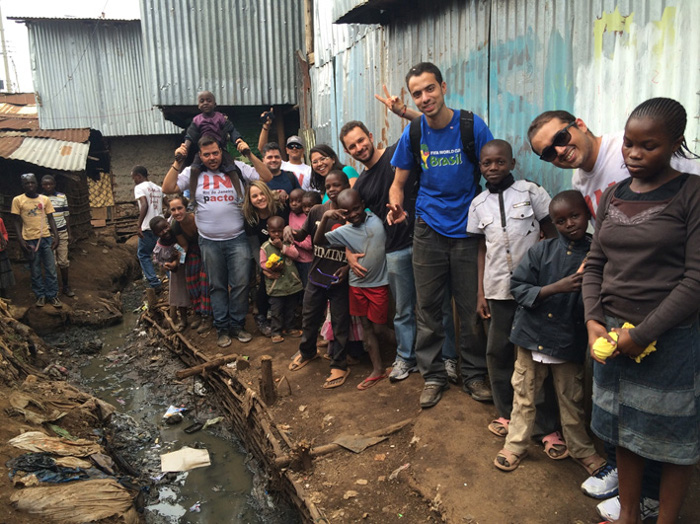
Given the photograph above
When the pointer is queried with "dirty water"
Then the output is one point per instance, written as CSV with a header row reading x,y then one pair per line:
x,y
117,365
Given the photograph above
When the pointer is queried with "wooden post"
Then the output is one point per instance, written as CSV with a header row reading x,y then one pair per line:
x,y
268,391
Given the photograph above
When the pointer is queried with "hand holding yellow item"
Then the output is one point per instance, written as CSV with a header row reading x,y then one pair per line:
x,y
273,261
602,348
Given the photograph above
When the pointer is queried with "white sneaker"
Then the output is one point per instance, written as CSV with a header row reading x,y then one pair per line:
x,y
602,485
610,509
400,370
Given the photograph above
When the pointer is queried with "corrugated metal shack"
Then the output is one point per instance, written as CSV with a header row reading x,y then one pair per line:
x,y
243,51
136,81
71,155
507,61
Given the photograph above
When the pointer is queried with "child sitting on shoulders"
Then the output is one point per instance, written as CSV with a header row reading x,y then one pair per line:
x,y
550,334
170,255
369,294
217,125
282,281
507,219
297,217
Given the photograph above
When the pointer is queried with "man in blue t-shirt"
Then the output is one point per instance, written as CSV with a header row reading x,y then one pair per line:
x,y
283,182
444,256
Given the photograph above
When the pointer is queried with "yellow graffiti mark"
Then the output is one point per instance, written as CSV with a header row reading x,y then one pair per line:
x,y
668,31
613,22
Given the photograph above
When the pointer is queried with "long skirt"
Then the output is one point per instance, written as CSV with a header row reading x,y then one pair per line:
x,y
197,281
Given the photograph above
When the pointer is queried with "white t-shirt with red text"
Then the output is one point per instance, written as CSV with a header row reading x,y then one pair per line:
x,y
218,214
301,171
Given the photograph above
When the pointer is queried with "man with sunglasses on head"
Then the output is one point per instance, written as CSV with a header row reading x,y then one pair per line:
x,y
295,152
567,142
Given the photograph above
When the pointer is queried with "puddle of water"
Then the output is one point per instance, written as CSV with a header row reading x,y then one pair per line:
x,y
222,489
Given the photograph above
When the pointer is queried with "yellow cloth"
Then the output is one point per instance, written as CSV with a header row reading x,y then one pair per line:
x,y
33,212
603,348
272,261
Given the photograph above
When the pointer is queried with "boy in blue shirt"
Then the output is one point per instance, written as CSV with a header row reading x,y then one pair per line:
x,y
369,295
550,334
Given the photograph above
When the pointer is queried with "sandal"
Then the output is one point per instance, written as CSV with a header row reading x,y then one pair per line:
x,y
555,447
276,339
499,427
336,379
592,464
299,362
507,460
369,382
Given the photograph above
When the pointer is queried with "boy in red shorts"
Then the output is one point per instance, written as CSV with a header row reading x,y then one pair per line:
x,y
369,293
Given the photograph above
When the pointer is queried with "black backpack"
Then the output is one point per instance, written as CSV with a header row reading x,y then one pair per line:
x,y
466,128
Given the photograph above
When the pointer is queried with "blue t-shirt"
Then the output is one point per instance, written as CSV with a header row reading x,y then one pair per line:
x,y
368,238
285,180
447,183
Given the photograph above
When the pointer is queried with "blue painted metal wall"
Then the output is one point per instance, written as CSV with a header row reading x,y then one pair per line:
x,y
509,61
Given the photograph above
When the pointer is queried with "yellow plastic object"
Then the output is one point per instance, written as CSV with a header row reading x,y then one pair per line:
x,y
272,261
603,348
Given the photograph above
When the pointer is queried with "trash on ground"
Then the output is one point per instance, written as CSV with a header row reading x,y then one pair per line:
x,y
22,402
193,428
184,459
357,443
398,470
173,415
212,421
196,507
38,442
61,432
88,501
31,468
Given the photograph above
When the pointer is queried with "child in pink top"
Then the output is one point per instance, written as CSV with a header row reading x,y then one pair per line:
x,y
297,217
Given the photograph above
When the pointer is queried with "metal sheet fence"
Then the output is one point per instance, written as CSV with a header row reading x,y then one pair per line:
x,y
509,61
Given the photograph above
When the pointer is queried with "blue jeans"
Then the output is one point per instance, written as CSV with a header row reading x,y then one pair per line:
x,y
145,252
46,285
403,289
227,263
446,265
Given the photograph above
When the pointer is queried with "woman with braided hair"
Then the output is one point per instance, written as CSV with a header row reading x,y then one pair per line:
x,y
643,271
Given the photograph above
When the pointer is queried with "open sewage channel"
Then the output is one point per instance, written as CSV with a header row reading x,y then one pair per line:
x,y
122,365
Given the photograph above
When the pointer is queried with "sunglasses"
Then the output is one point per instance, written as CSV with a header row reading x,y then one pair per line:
x,y
295,146
562,138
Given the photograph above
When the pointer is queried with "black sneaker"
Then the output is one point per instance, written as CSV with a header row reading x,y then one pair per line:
x,y
432,393
68,291
479,390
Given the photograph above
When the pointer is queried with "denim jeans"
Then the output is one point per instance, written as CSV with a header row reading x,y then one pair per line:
x,y
445,265
46,285
403,289
227,263
145,253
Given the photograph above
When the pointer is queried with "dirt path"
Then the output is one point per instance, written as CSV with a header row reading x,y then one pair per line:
x,y
449,451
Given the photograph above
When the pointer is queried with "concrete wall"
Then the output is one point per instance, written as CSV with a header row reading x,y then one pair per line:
x,y
154,152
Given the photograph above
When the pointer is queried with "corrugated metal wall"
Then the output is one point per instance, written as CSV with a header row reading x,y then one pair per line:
x,y
511,60
108,84
241,50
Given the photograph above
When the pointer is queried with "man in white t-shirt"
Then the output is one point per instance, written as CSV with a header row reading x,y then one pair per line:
x,y
597,160
150,200
295,153
567,142
222,240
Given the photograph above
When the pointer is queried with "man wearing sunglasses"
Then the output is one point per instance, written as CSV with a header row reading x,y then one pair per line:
x,y
567,142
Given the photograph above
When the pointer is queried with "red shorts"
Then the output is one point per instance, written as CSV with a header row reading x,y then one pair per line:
x,y
370,302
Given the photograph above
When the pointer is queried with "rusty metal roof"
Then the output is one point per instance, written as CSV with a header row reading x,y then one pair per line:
x,y
53,154
18,99
19,124
9,144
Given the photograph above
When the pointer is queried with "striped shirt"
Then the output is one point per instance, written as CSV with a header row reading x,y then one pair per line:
x,y
60,205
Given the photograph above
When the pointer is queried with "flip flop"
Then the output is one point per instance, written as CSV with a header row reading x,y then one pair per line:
x,y
338,381
507,460
298,361
369,382
555,447
592,464
499,427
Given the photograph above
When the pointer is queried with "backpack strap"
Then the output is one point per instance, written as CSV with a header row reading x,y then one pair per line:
x,y
466,128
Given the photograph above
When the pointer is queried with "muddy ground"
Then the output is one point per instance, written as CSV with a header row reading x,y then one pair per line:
x,y
445,454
